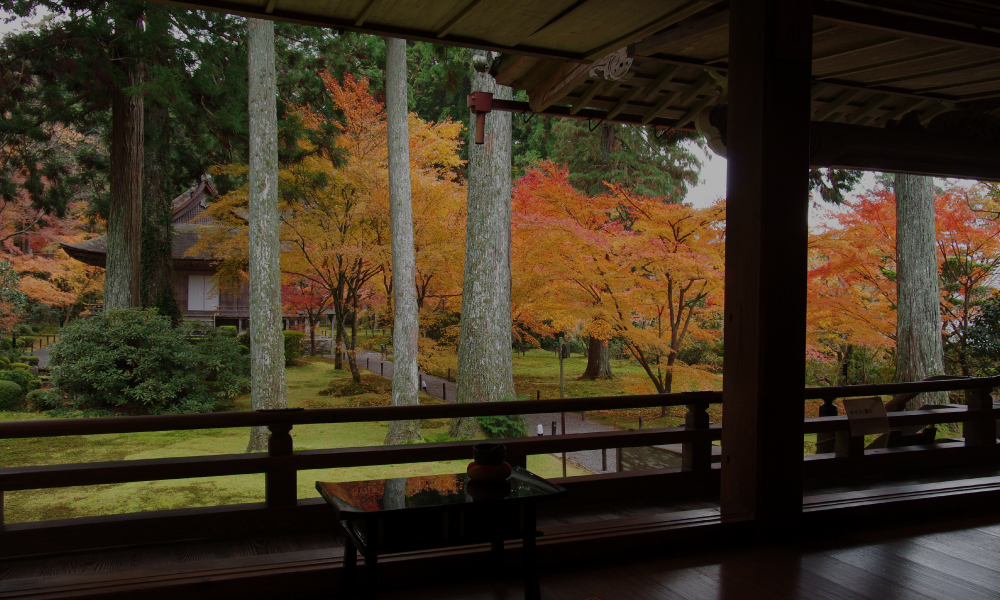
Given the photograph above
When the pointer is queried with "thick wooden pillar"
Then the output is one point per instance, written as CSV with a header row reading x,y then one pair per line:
x,y
770,48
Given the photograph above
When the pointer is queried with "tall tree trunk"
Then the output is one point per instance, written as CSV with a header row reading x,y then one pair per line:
x,y
156,283
267,349
405,391
598,354
485,360
338,343
598,360
121,279
918,313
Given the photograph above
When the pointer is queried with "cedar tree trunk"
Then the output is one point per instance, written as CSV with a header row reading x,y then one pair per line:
x,y
157,273
405,391
485,361
919,351
121,278
267,348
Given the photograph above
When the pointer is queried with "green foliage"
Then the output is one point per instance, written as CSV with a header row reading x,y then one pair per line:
x,y
503,426
293,346
4,362
133,361
10,395
38,399
983,338
20,365
228,330
31,360
21,377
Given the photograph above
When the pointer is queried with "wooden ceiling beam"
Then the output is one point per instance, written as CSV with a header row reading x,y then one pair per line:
x,y
662,79
905,25
899,62
562,81
842,99
687,10
587,96
862,113
682,32
587,114
458,18
693,111
935,110
899,111
934,71
862,50
683,96
626,98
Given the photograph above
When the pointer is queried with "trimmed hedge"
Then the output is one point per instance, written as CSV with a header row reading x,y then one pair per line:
x,y
293,346
22,378
10,395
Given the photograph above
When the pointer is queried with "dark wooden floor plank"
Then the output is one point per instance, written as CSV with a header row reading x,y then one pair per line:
x,y
907,574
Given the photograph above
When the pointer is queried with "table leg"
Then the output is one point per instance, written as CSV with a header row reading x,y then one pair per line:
x,y
371,576
496,547
350,568
532,590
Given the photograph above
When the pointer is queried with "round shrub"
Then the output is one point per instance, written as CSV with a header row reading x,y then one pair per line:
x,y
4,362
26,340
29,360
22,378
38,399
228,330
10,395
133,361
20,365
293,346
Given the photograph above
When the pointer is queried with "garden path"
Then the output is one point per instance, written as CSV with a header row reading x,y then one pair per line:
x,y
445,390
43,356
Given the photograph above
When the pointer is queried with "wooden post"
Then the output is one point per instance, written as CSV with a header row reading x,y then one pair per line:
x,y
770,52
280,482
563,431
696,456
825,441
849,445
979,433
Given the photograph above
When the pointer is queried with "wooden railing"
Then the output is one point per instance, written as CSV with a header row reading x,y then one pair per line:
x,y
281,463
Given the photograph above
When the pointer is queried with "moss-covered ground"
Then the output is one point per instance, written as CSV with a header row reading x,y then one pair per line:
x,y
304,384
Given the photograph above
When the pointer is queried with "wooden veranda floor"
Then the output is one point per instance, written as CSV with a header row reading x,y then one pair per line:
x,y
953,560
937,554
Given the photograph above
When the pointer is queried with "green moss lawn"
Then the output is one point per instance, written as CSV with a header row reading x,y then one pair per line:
x,y
304,384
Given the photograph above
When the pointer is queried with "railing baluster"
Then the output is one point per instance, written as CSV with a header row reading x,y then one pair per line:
x,y
825,441
280,481
984,432
696,456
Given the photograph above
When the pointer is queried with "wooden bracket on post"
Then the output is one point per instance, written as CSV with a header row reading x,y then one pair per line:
x,y
979,433
696,456
480,103
280,481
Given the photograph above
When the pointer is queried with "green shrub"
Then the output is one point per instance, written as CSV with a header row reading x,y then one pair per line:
x,y
20,365
293,346
503,426
30,360
38,399
26,340
4,362
244,340
228,330
134,361
10,395
21,377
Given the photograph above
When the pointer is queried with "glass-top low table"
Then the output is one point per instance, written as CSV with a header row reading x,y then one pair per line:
x,y
385,516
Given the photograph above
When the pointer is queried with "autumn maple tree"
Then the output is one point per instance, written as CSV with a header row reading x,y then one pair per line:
x,y
621,265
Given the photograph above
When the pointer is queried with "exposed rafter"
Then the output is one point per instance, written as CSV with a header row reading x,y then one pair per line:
x,y
831,107
682,32
687,10
562,81
458,18
898,62
905,25
365,13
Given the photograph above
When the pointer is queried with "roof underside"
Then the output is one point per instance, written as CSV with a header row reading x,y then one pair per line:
x,y
874,60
